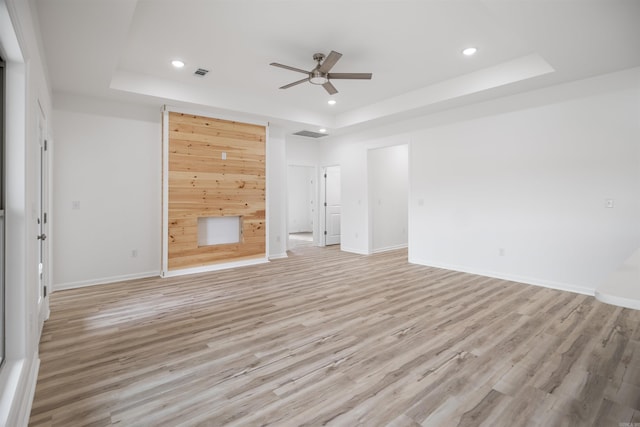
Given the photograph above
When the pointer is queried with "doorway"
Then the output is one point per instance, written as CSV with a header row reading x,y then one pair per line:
x,y
301,212
332,205
388,181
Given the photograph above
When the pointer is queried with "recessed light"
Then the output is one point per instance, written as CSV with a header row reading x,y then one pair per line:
x,y
177,63
469,51
323,130
331,102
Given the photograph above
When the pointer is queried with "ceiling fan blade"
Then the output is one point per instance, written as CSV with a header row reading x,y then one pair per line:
x,y
294,83
329,61
330,88
353,76
286,67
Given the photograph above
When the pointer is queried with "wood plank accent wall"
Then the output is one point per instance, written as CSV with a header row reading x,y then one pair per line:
x,y
202,184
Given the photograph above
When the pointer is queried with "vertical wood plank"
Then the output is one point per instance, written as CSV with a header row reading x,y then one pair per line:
x,y
216,168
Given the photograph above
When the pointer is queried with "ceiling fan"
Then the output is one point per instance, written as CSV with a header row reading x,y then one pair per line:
x,y
320,75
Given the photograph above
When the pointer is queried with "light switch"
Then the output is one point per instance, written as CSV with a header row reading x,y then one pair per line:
x,y
224,155
609,203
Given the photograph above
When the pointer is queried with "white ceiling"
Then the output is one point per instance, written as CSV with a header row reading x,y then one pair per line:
x,y
121,49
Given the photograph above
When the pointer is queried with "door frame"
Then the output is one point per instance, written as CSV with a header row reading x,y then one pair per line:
x,y
317,241
322,226
43,221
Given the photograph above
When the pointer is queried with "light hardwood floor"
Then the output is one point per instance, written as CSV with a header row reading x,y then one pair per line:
x,y
326,337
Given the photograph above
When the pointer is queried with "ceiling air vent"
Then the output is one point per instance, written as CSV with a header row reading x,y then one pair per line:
x,y
310,134
201,72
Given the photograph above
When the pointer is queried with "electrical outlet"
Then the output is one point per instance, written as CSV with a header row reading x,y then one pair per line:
x,y
608,203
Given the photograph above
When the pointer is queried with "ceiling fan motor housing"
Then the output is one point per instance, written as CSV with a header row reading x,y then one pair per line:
x,y
317,77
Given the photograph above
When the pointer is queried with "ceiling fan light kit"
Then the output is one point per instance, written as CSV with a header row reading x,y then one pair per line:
x,y
317,78
320,75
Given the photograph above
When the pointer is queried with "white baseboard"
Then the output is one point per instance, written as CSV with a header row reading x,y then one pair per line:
x,y
104,280
18,381
390,248
10,376
354,251
215,267
506,276
24,411
279,256
617,300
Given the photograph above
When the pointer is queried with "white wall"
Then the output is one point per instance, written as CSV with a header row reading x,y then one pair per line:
x,y
528,173
107,160
389,195
522,195
276,193
301,185
302,151
27,92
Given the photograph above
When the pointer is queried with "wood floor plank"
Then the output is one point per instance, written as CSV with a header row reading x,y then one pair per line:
x,y
326,337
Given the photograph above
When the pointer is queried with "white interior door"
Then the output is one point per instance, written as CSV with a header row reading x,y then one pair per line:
x,y
42,220
332,205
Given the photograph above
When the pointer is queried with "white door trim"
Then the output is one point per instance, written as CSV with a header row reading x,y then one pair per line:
x,y
324,205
